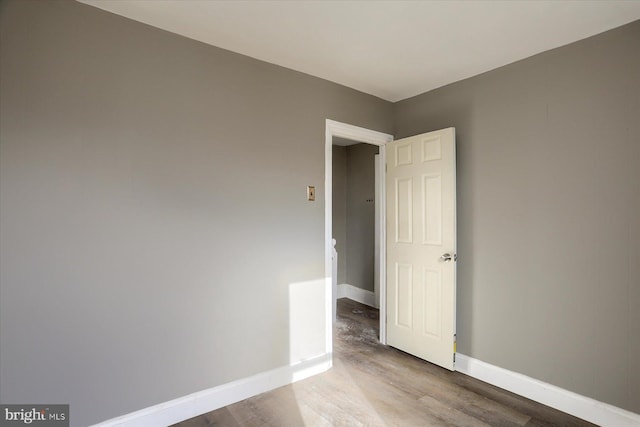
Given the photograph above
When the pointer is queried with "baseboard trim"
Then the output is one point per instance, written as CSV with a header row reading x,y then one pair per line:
x,y
588,409
195,404
357,294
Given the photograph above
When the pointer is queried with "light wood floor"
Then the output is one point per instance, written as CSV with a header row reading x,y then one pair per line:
x,y
374,385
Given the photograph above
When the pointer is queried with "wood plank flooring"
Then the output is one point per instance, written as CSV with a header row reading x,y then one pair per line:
x,y
374,385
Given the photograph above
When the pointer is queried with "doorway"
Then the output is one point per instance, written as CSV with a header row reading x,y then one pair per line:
x,y
345,131
422,168
354,220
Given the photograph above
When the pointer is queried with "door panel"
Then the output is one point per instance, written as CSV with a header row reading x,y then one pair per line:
x,y
404,210
432,305
421,228
404,297
432,210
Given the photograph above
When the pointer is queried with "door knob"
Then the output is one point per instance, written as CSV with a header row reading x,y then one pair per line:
x,y
447,257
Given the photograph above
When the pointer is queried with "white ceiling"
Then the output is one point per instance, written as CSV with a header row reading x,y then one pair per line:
x,y
390,49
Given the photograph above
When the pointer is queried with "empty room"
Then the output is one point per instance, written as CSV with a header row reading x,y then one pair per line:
x,y
192,234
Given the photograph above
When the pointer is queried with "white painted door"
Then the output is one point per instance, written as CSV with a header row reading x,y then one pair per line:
x,y
421,246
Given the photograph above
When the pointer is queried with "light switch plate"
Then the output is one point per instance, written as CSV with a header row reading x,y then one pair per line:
x,y
311,193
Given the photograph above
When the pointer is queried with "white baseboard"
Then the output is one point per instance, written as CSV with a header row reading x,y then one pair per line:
x,y
588,409
186,407
357,294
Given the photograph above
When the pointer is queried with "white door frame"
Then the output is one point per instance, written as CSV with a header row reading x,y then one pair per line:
x,y
354,133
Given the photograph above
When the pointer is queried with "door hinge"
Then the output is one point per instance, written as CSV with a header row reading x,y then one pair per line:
x,y
455,347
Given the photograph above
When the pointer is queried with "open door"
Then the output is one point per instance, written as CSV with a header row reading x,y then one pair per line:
x,y
421,246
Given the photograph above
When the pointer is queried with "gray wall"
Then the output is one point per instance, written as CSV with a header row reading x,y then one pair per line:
x,y
153,210
360,215
339,208
549,213
153,216
353,216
